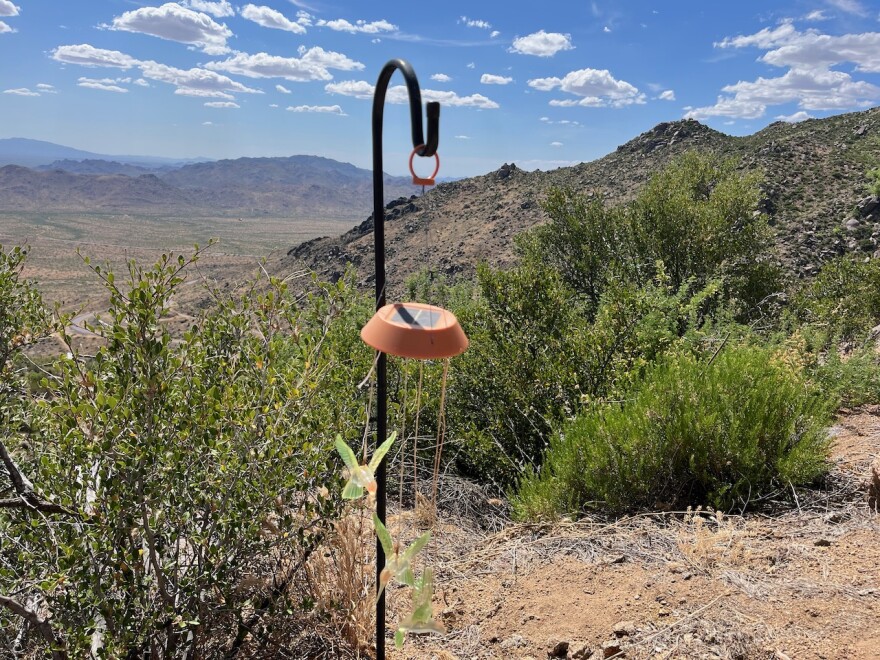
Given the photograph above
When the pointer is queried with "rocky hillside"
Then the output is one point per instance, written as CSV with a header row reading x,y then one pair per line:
x,y
299,187
814,194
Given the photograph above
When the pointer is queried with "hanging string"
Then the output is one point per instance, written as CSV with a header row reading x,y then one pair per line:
x,y
402,438
416,435
441,431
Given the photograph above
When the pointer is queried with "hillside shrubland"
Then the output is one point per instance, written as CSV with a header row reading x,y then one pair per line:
x,y
165,495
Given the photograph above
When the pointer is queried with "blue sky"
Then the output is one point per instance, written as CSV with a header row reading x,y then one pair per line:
x,y
542,84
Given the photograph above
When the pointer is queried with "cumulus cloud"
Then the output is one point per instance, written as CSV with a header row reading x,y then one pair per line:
x,y
86,55
326,109
189,79
8,9
541,44
207,123
203,93
462,137
556,144
472,22
219,9
140,82
104,84
795,118
491,79
271,18
21,91
312,64
361,89
471,65
561,122
596,87
176,23
818,15
4,28
667,95
221,104
282,89
441,77
809,81
46,88
494,34
342,25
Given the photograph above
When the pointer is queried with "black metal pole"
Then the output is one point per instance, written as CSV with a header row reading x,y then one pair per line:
x,y
429,149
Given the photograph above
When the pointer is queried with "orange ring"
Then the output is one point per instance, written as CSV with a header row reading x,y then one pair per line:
x,y
417,180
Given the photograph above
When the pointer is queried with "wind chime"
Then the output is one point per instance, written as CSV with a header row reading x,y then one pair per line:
x,y
410,330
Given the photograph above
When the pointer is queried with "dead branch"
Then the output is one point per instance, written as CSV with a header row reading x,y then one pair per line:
x,y
59,651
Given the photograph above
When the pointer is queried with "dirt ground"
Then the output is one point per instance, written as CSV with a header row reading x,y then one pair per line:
x,y
793,582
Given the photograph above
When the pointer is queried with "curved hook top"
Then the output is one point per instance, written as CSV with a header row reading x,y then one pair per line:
x,y
415,107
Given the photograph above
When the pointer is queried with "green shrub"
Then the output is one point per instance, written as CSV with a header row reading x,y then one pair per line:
x,y
184,481
874,182
854,379
722,433
843,300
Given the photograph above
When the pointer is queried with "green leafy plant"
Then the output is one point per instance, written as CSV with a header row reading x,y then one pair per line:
x,y
723,432
398,566
183,482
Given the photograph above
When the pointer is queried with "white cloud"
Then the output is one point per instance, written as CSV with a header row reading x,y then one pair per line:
x,y
313,64
8,9
219,9
326,109
471,22
541,44
140,82
86,55
606,29
796,117
271,18
471,65
361,89
667,95
556,144
491,79
221,104
282,89
273,105
818,15
462,137
597,87
342,25
5,29
809,80
21,91
561,122
176,23
104,84
441,77
494,34
820,51
207,123
203,93
192,78
849,6
46,88
766,38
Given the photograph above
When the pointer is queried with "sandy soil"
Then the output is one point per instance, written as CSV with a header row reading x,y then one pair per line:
x,y
800,582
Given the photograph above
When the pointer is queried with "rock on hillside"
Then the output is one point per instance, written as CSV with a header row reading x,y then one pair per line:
x,y
815,176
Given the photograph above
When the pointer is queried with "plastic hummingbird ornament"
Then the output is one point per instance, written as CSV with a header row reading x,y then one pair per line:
x,y
421,619
361,477
397,566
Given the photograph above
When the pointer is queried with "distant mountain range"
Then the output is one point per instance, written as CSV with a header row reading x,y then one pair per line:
x,y
36,153
61,179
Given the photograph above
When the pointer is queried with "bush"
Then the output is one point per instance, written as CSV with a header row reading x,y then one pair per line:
x,y
843,300
184,481
723,433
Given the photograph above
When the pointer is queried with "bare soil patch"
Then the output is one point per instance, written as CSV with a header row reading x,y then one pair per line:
x,y
797,583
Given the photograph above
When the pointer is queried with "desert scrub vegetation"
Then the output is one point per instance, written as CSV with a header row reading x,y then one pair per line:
x,y
163,496
724,432
599,293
